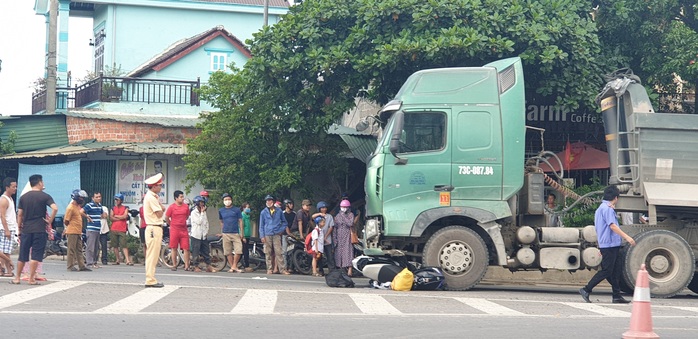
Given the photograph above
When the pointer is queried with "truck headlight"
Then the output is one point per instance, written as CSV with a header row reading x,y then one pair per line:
x,y
371,229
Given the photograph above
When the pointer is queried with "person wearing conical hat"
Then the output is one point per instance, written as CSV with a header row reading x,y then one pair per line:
x,y
153,212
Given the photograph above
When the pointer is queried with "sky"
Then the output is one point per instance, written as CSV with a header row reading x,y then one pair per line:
x,y
23,53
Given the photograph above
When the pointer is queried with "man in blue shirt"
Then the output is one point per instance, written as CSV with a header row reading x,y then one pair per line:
x,y
93,212
272,225
233,229
609,237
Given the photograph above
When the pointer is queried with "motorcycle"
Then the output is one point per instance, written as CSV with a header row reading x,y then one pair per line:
x,y
57,246
302,261
258,261
218,260
166,251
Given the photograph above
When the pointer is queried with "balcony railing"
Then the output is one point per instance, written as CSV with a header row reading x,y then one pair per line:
x,y
120,89
65,98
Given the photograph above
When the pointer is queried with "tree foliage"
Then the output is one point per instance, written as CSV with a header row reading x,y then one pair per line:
x,y
8,146
307,70
657,38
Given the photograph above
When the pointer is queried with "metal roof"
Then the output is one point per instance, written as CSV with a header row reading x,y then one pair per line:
x,y
35,131
341,129
361,144
94,146
162,120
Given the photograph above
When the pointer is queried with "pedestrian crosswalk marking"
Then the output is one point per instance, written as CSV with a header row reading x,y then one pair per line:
x,y
256,302
35,292
264,302
686,308
489,307
605,311
138,301
373,304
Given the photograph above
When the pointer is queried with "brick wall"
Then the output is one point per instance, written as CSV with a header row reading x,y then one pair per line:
x,y
108,130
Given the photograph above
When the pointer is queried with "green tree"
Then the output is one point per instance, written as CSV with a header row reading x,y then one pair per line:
x,y
308,69
657,38
8,146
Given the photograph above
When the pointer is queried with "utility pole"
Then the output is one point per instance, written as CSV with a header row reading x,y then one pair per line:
x,y
266,13
51,67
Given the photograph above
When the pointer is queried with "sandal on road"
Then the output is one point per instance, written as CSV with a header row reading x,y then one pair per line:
x,y
129,263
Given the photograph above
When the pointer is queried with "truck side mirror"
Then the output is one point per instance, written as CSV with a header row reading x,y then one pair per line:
x,y
395,135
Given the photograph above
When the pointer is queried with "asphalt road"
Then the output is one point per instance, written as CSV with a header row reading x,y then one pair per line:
x,y
111,301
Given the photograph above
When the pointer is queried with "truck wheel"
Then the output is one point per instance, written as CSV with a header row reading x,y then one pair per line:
x,y
668,258
625,286
460,253
693,285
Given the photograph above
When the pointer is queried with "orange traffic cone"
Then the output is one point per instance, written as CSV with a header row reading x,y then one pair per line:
x,y
641,318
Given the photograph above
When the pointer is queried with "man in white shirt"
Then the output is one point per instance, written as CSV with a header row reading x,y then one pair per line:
x,y
8,216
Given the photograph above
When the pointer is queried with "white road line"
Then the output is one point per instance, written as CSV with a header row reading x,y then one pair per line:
x,y
137,301
373,304
256,302
610,312
686,308
32,292
489,307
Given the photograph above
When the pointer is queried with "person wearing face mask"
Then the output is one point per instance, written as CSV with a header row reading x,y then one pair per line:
x,y
272,225
343,223
231,226
247,224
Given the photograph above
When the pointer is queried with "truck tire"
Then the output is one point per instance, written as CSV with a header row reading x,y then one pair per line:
x,y
693,285
460,253
668,258
625,285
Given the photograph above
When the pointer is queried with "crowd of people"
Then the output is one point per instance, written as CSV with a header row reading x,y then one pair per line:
x,y
329,234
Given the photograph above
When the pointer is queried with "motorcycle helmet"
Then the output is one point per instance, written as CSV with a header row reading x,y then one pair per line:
x,y
288,201
120,197
321,204
318,219
79,196
268,197
204,195
198,199
345,203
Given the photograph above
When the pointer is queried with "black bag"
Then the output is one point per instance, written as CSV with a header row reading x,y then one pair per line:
x,y
338,278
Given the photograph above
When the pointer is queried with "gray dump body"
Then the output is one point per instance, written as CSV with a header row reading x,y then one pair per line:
x,y
653,156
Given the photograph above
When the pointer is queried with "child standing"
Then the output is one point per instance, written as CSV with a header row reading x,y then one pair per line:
x,y
318,236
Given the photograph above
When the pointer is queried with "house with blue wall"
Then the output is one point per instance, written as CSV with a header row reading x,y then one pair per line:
x,y
130,34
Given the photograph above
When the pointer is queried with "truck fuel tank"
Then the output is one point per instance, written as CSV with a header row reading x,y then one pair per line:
x,y
559,235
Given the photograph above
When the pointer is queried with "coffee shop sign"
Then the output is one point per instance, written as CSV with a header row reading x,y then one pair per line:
x,y
559,114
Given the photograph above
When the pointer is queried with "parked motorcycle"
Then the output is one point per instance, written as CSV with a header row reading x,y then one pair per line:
x,y
218,260
57,246
166,251
255,247
302,261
